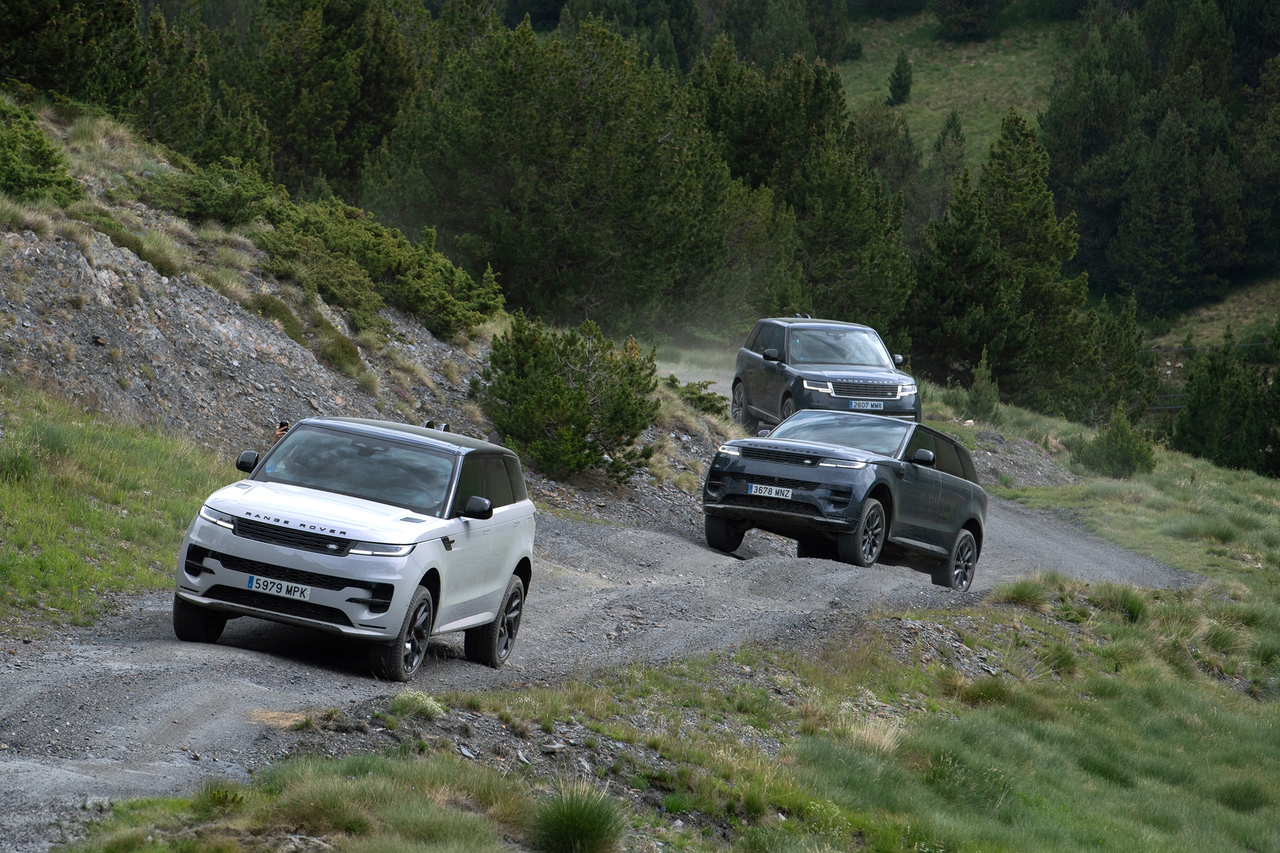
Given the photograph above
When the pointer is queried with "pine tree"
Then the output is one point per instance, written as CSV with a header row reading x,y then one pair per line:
x,y
900,81
967,295
172,102
1052,336
1224,418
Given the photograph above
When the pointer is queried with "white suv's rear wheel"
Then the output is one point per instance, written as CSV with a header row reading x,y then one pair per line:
x,y
491,644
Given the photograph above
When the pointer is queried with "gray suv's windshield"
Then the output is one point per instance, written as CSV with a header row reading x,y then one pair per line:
x,y
362,466
837,346
876,435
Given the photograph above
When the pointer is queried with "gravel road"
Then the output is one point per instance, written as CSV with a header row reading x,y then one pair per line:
x,y
124,710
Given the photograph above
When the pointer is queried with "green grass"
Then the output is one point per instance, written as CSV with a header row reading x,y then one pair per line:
x,y
90,507
980,80
373,804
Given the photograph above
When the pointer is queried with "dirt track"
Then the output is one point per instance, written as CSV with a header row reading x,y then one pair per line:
x,y
125,710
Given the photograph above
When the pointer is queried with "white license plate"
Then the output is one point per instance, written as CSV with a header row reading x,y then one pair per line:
x,y
866,404
280,588
769,491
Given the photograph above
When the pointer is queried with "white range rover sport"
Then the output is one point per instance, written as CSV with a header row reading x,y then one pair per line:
x,y
378,531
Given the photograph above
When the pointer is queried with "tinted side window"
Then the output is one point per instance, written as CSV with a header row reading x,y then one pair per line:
x,y
470,482
516,476
772,337
947,459
497,485
753,339
966,465
920,440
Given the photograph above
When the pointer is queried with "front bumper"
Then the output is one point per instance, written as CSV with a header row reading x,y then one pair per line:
x,y
906,408
359,597
814,507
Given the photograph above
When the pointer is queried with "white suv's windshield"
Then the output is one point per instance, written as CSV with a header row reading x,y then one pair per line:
x,y
837,346
376,469
875,435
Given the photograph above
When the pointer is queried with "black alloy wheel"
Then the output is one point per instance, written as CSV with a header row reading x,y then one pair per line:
x,y
956,572
738,409
491,644
862,547
400,660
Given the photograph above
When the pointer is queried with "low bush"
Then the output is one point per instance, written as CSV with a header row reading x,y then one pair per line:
x,y
1118,451
229,192
569,401
699,396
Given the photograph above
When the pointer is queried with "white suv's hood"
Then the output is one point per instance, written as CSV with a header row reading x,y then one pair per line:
x,y
327,513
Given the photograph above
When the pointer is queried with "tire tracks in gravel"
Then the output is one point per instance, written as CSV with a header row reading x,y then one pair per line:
x,y
123,709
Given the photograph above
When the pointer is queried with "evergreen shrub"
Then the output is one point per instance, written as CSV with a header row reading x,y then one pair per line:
x,y
699,397
230,192
900,81
983,403
30,166
569,401
1118,451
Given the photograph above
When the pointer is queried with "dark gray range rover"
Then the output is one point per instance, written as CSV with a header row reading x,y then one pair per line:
x,y
794,363
844,484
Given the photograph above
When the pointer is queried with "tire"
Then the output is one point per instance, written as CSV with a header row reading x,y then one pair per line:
x,y
400,660
195,624
788,408
863,546
722,535
819,549
491,644
956,572
738,410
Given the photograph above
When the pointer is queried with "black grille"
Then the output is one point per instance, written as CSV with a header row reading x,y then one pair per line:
x,y
280,573
290,538
276,604
776,504
782,456
865,390
783,482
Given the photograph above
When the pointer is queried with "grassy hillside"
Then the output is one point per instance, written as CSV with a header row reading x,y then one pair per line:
x,y
980,80
1126,720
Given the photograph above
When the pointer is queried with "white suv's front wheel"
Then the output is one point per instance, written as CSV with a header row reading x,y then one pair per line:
x,y
399,660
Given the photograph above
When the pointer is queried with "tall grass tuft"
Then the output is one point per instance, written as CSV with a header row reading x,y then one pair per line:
x,y
1027,592
577,818
1124,600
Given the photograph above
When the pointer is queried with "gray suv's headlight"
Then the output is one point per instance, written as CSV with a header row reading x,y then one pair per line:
x,y
906,390
218,517
841,463
811,385
378,549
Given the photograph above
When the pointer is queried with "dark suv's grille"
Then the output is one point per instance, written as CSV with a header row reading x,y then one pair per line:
x,y
865,390
783,482
276,604
780,456
776,504
290,538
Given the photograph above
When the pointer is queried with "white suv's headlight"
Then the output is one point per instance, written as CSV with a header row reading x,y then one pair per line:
x,y
378,549
906,390
824,387
218,517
